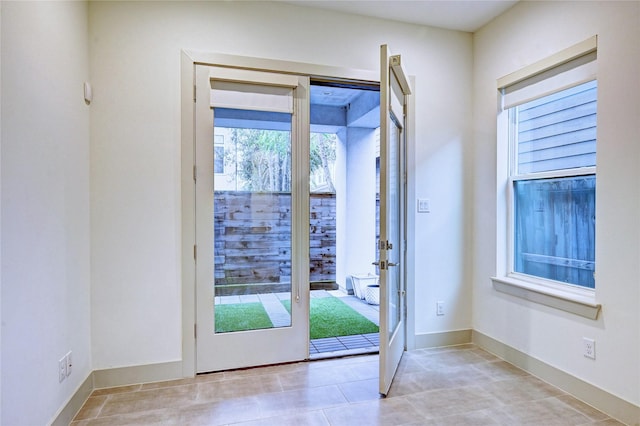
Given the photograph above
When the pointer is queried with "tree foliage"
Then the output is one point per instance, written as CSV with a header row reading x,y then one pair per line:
x,y
323,155
263,158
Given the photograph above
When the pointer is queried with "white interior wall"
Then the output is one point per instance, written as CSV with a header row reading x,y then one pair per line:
x,y
526,33
135,134
45,207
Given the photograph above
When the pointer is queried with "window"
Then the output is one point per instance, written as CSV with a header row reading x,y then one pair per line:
x,y
547,130
553,140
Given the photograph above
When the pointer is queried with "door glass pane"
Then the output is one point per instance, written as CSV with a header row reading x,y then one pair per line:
x,y
394,226
252,220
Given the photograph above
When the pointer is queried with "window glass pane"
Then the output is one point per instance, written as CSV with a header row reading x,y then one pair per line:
x,y
555,229
557,131
252,220
218,159
322,162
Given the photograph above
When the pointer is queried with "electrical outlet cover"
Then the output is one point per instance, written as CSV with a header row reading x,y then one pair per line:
x,y
62,369
69,363
589,348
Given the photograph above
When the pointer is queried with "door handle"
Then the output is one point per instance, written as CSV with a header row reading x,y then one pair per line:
x,y
393,264
382,264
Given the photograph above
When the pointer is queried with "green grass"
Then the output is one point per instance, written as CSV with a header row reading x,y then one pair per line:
x,y
240,317
331,317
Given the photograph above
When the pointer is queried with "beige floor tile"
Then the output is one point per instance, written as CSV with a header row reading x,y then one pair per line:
x,y
220,412
442,378
310,418
583,408
463,375
362,390
91,407
499,370
367,370
315,377
386,411
489,417
549,411
521,389
156,399
239,387
458,358
261,371
118,389
306,399
148,418
484,354
448,402
168,383
417,382
410,364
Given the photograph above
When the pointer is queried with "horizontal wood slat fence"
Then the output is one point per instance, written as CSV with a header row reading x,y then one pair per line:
x,y
252,241
555,220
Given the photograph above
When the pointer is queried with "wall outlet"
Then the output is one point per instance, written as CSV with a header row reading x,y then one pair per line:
x,y
440,308
424,205
62,369
589,348
69,363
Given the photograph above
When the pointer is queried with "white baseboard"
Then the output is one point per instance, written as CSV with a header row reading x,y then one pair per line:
x,y
111,377
148,373
609,404
75,402
445,338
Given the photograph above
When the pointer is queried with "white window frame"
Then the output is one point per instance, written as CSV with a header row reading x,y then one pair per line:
x,y
570,298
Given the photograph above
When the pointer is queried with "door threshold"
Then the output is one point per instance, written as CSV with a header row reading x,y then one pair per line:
x,y
344,353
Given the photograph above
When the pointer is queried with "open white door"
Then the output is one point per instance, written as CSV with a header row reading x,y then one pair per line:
x,y
394,88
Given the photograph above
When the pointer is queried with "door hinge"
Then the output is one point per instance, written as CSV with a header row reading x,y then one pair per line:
x,y
195,331
195,252
194,93
195,173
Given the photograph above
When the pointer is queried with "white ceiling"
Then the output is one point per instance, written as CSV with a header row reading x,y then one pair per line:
x,y
461,15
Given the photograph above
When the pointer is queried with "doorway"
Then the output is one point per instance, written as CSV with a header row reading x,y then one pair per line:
x,y
344,218
283,93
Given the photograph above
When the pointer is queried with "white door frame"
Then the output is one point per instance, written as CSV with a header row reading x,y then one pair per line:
x,y
188,273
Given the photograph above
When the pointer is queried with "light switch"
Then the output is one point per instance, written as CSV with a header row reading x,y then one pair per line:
x,y
423,205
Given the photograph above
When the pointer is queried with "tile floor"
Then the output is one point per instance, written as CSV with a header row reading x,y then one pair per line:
x,y
461,385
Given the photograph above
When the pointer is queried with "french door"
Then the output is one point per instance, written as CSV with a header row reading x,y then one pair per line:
x,y
251,197
252,228
394,88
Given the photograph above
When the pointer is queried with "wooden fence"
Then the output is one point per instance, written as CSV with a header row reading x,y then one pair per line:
x,y
252,241
555,228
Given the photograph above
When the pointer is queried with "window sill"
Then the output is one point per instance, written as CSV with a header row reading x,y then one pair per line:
x,y
577,302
